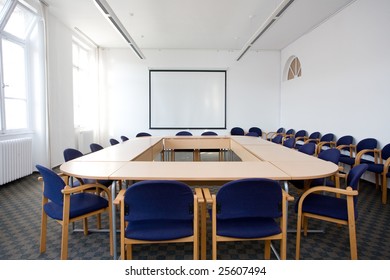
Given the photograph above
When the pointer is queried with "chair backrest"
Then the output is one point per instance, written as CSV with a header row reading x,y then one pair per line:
x,y
290,132
113,141
143,134
184,133
277,139
53,184
124,138
308,148
386,152
280,130
289,142
256,130
253,134
345,140
159,199
95,147
332,155
251,197
209,133
237,131
367,143
301,133
328,137
71,153
315,135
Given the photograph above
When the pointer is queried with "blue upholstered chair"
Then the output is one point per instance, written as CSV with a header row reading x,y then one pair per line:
x,y
250,209
237,131
289,142
67,205
316,203
272,134
380,166
324,142
209,133
184,133
256,130
278,139
143,134
308,148
289,133
253,134
95,147
113,142
354,150
313,137
157,212
124,138
300,136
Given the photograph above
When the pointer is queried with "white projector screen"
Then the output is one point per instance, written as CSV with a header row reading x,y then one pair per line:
x,y
187,99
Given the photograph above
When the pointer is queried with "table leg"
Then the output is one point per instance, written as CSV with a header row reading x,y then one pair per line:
x,y
113,189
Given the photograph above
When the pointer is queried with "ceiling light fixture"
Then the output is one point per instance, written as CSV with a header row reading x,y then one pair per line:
x,y
266,25
110,15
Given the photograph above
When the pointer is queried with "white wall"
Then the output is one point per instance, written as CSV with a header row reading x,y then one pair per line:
x,y
60,90
344,86
253,88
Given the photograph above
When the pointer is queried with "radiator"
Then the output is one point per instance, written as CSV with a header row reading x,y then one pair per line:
x,y
15,159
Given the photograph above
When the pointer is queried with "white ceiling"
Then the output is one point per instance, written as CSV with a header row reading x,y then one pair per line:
x,y
195,24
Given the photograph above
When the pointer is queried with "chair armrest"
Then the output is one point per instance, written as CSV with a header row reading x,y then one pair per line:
x,y
71,190
207,195
300,138
365,151
199,195
386,165
119,197
347,191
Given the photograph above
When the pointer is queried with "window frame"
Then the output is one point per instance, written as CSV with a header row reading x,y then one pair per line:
x,y
9,8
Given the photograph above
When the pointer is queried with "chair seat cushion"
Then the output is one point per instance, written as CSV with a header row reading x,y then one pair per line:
x,y
325,205
80,204
159,230
247,227
347,160
376,168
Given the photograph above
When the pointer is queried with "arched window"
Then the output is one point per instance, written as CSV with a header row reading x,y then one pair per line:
x,y
295,69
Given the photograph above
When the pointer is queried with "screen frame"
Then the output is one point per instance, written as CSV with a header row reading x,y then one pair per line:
x,y
222,126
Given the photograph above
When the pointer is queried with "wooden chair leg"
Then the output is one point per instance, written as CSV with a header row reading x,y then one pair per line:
x,y
352,241
384,189
267,249
43,232
298,241
64,240
85,226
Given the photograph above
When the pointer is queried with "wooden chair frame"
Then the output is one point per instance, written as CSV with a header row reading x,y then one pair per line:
x,y
302,219
267,251
126,243
66,220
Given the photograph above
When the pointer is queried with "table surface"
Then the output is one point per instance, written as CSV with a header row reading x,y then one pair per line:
x,y
265,160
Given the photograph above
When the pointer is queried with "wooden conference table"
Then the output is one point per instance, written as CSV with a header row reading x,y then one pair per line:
x,y
146,158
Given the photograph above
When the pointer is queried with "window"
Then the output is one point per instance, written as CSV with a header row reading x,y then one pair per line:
x,y
84,85
17,25
294,70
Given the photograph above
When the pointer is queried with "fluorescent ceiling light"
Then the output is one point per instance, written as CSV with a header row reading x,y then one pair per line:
x,y
266,25
110,15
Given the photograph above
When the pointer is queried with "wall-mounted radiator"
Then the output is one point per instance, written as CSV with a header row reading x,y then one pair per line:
x,y
15,159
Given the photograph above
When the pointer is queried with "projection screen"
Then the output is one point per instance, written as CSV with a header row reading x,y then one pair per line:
x,y
187,99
